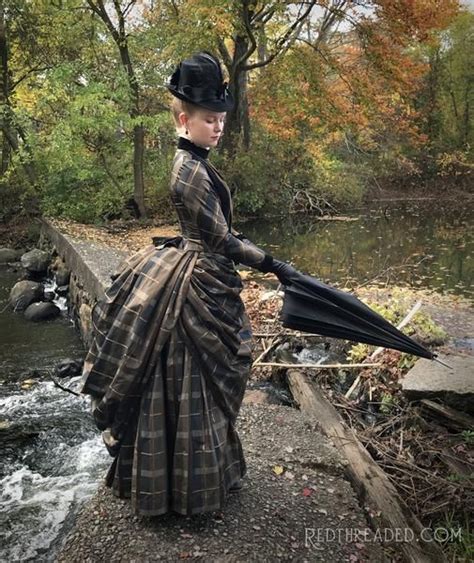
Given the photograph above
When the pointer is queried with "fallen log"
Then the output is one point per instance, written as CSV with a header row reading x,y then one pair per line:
x,y
447,416
386,509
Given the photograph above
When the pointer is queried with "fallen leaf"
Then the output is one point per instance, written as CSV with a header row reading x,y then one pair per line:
x,y
278,470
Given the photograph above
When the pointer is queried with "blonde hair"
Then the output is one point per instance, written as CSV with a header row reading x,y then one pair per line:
x,y
178,106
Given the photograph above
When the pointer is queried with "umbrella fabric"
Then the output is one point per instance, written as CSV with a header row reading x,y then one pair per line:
x,y
310,305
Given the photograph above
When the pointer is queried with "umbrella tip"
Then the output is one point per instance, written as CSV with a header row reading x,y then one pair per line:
x,y
440,362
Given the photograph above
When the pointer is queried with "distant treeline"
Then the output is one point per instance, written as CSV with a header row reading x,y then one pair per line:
x,y
331,99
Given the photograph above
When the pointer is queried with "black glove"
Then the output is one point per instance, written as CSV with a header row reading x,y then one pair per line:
x,y
283,271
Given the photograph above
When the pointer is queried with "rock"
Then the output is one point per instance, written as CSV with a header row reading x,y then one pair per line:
x,y
56,263
8,255
69,368
27,384
62,290
17,432
49,295
61,272
255,396
62,276
35,261
41,311
85,317
33,373
455,386
24,293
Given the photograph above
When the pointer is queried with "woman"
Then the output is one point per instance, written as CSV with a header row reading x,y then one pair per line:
x,y
171,350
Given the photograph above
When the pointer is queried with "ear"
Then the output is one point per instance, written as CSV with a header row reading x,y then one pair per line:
x,y
183,119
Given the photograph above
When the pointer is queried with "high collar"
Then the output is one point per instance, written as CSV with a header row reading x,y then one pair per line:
x,y
188,145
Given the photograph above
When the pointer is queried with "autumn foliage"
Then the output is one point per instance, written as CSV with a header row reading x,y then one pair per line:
x,y
331,96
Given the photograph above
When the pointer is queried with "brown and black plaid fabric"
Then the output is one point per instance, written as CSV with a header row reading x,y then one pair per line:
x,y
170,358
200,214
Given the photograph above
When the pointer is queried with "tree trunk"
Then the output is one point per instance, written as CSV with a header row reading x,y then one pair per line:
x,y
6,149
138,180
138,131
432,113
10,132
386,510
237,131
466,116
119,35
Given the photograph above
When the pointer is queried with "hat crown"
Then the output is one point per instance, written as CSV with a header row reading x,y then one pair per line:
x,y
199,80
200,70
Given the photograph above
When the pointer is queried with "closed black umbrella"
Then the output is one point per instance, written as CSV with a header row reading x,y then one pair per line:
x,y
310,305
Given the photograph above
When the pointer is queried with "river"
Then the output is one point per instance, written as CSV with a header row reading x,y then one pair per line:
x,y
419,244
56,458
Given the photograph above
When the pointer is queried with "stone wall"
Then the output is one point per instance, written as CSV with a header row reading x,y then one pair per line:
x,y
91,265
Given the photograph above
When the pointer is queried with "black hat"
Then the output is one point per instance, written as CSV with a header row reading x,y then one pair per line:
x,y
199,80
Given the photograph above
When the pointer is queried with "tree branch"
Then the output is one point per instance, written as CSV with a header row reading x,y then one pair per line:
x,y
27,73
224,53
286,40
128,8
100,10
120,16
263,16
248,29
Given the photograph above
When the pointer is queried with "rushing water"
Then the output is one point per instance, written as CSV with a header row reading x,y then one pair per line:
x,y
428,245
50,456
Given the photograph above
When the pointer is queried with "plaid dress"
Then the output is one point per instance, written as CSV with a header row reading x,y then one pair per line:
x,y
170,357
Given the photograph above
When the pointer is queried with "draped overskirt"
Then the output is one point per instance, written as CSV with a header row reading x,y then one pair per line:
x,y
168,365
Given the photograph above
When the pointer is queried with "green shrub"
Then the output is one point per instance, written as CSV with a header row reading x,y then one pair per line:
x,y
278,176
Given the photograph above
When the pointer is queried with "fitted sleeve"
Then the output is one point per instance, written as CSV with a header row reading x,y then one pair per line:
x,y
203,209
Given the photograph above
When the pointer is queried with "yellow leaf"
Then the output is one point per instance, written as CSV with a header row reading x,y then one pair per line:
x,y
278,470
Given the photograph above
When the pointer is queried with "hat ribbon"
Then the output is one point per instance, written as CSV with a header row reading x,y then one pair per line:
x,y
222,93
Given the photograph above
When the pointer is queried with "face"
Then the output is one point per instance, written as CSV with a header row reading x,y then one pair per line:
x,y
205,127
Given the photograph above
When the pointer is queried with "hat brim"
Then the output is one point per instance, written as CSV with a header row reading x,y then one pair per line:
x,y
213,105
